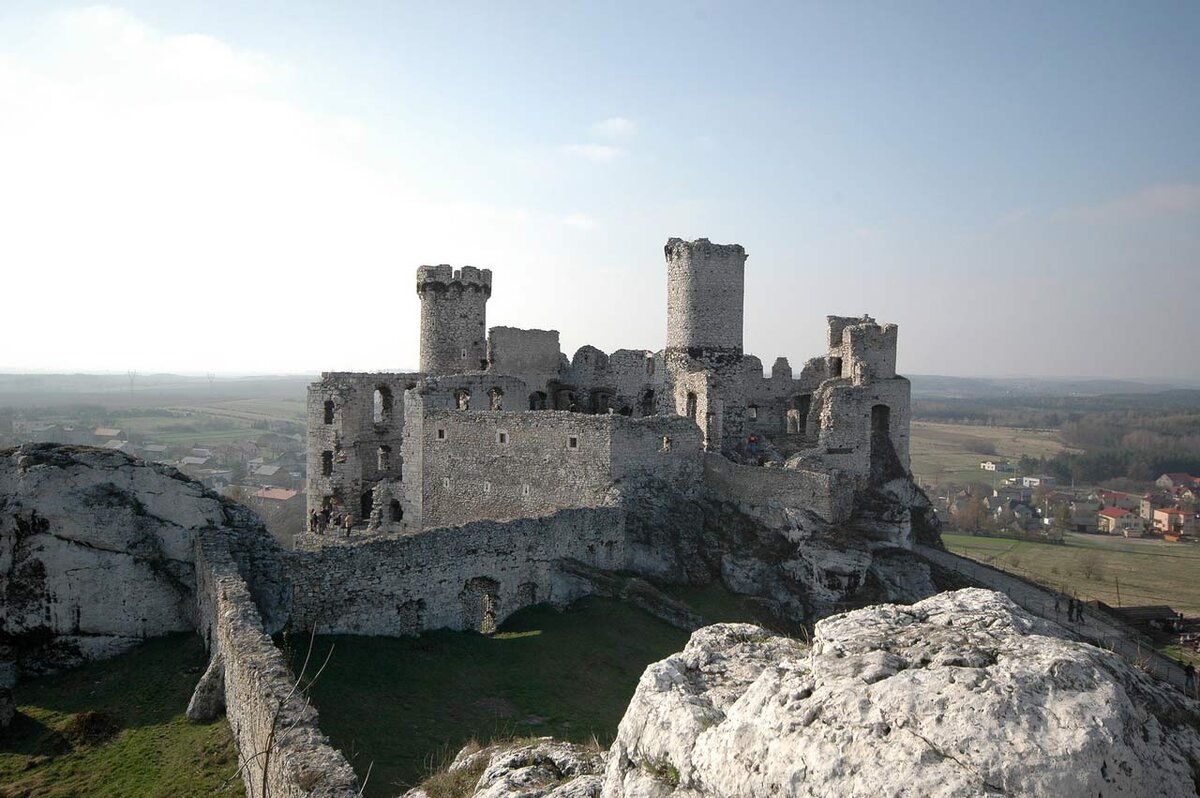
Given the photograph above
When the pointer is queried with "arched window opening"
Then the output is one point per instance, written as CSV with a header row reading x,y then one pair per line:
x,y
385,458
496,399
647,403
798,413
691,405
395,511
329,411
366,505
650,364
383,405
835,366
462,399
600,402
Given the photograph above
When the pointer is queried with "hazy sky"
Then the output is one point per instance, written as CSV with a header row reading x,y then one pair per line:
x,y
206,186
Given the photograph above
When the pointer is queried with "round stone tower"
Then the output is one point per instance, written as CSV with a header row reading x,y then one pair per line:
x,y
705,293
453,318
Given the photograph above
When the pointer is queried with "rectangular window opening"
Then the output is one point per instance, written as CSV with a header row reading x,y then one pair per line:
x,y
572,442
441,434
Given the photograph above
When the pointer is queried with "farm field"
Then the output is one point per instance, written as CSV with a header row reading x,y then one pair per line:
x,y
952,452
117,728
1148,571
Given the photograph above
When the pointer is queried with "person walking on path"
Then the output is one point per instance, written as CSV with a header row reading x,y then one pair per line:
x,y
347,522
1189,679
1057,606
1079,612
1071,609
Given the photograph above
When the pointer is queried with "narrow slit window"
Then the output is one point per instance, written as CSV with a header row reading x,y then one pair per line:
x,y
502,438
441,434
572,442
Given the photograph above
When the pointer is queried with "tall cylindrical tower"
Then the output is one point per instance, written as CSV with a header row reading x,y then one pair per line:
x,y
705,295
453,318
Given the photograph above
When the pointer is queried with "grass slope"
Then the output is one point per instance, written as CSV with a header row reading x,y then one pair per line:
x,y
1149,571
137,743
405,704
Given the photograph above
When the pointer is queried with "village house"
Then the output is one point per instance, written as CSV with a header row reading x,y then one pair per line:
x,y
995,465
1111,520
1177,479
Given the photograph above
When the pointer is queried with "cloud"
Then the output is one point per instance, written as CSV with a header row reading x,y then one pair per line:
x,y
173,174
1150,202
581,221
617,127
596,152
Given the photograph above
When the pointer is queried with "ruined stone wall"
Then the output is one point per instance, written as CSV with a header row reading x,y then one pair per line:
x,y
705,294
280,745
533,356
345,436
453,318
845,412
501,465
870,352
759,491
465,577
639,377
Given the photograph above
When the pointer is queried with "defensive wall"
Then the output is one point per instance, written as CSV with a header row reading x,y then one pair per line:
x,y
469,465
281,750
760,491
468,577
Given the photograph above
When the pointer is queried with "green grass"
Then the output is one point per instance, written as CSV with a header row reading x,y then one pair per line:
x,y
1148,571
406,704
145,746
947,452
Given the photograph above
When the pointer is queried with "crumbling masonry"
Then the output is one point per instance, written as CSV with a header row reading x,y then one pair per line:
x,y
499,425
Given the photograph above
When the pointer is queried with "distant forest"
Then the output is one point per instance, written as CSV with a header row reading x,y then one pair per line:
x,y
1130,436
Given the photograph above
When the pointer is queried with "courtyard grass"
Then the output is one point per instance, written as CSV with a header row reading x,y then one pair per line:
x,y
403,706
117,728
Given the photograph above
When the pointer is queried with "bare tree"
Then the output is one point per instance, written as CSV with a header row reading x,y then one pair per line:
x,y
1091,565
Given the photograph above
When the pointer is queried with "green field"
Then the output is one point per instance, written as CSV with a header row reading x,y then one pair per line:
x,y
406,704
116,728
1147,571
952,452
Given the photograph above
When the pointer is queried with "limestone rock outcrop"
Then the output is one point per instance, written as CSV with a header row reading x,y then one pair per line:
x,y
962,694
97,552
544,768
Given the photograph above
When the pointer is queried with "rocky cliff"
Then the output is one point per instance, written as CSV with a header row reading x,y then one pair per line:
x,y
962,694
96,553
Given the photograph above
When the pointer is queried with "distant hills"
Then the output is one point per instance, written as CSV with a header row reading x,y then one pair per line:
x,y
930,386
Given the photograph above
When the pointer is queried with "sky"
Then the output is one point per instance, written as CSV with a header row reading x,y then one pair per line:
x,y
249,188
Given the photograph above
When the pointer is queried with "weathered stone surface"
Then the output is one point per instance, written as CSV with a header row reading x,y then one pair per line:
x,y
962,694
208,699
541,768
96,553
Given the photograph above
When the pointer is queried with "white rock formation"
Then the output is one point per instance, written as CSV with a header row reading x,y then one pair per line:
x,y
96,552
962,694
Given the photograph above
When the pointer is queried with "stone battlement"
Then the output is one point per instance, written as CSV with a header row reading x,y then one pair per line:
x,y
443,277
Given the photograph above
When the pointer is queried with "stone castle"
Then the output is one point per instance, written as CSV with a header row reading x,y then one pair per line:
x,y
499,424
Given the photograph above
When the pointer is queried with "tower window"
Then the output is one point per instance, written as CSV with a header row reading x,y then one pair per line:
x,y
385,458
502,437
446,483
327,463
524,490
753,413
487,487
329,410
383,405
572,442
441,434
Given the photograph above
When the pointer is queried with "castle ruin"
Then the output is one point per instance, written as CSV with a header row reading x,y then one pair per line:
x,y
500,425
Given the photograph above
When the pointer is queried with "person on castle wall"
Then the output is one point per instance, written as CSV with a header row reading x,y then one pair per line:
x,y
347,523
1071,609
314,522
752,448
326,512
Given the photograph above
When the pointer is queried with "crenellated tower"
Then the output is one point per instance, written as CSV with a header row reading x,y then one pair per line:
x,y
705,294
453,318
